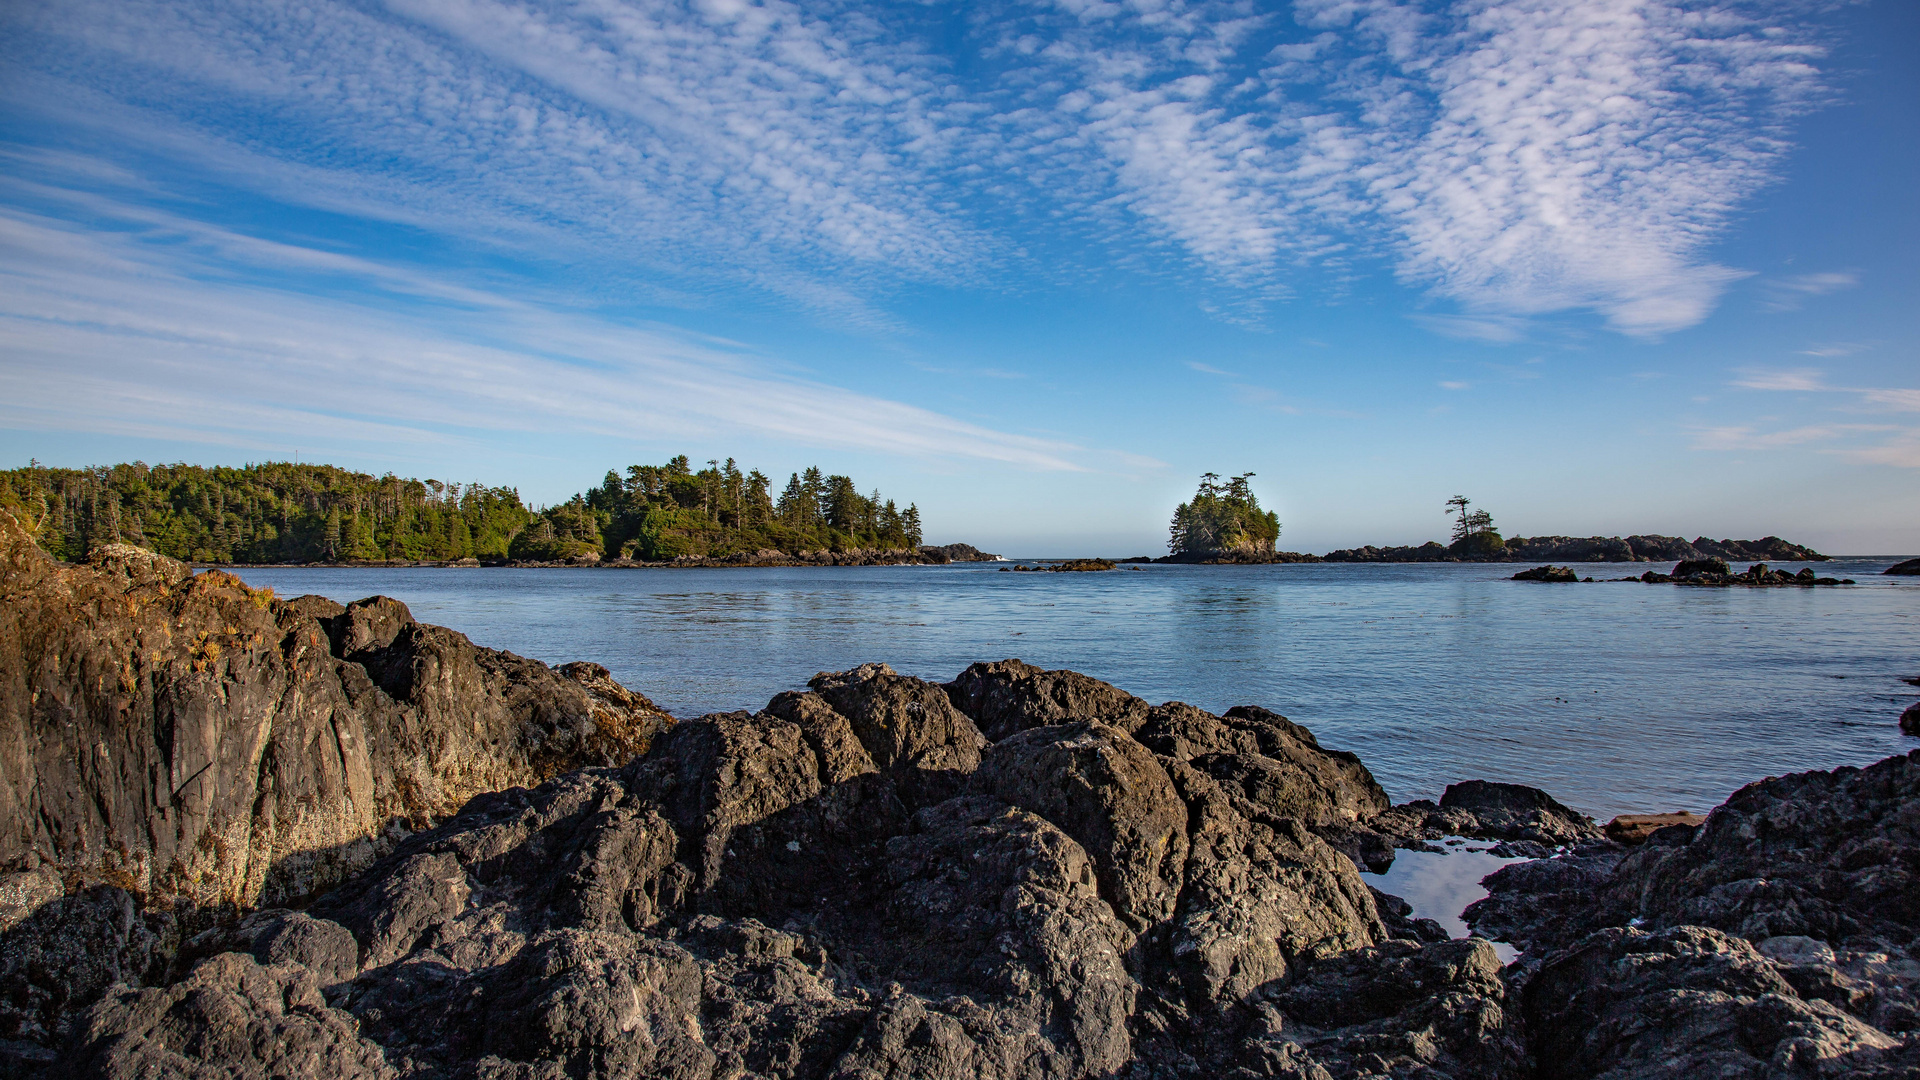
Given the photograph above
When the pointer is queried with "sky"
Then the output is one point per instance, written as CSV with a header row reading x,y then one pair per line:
x,y
1602,266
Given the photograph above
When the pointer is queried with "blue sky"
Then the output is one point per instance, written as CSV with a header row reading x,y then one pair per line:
x,y
1603,266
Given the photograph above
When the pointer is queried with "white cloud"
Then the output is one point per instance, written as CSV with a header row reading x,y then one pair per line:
x,y
688,139
122,331
1795,379
1513,157
1748,438
1499,330
1898,400
1454,385
1516,156
1788,293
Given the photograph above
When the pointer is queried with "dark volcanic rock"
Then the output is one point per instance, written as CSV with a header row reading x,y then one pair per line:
x,y
1547,573
230,1017
1108,793
1910,719
1010,696
946,553
1829,855
1712,565
1685,1002
776,895
1911,566
1518,812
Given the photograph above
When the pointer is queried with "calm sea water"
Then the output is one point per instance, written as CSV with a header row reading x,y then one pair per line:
x,y
1614,697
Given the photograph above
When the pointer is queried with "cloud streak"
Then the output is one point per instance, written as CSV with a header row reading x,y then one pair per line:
x,y
207,358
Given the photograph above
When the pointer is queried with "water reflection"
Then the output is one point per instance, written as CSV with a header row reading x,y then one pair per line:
x,y
1441,886
1614,697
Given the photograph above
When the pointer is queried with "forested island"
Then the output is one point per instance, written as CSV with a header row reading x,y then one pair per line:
x,y
281,512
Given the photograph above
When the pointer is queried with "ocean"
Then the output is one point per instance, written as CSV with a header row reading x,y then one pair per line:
x,y
1614,697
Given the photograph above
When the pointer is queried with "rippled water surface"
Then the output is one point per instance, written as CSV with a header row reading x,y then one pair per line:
x,y
1615,697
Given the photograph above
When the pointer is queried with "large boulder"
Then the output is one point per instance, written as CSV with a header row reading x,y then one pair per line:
x,y
1009,696
1518,812
231,1017
1109,794
1910,566
187,737
1269,760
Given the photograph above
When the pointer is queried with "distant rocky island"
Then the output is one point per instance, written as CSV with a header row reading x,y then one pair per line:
x,y
247,836
1589,549
1224,524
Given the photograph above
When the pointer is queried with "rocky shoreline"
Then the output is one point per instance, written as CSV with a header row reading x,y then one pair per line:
x,y
1712,573
929,555
257,837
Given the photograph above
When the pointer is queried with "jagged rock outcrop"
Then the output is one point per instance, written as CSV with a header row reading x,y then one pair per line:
x,y
174,746
1017,875
1777,939
185,736
853,882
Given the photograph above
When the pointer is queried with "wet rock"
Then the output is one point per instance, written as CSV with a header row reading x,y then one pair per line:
x,y
1396,915
1910,566
1690,567
1547,573
1910,719
1009,696
1547,904
1517,812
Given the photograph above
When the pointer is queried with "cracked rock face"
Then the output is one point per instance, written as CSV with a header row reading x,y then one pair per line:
x,y
186,746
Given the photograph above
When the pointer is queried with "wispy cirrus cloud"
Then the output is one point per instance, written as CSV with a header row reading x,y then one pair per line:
x,y
124,331
1804,379
1788,293
756,137
1902,448
1511,157
1745,437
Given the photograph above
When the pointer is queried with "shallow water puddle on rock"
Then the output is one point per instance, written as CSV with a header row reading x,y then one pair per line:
x,y
1441,886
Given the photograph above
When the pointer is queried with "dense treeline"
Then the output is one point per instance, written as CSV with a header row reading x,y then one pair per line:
x,y
280,512
270,513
